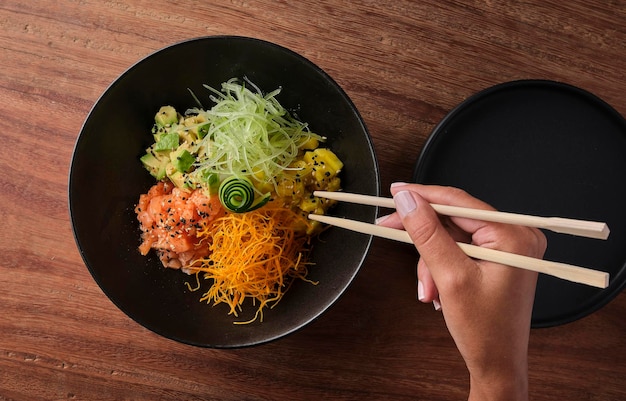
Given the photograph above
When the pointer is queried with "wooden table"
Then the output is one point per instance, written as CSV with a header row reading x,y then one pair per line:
x,y
405,64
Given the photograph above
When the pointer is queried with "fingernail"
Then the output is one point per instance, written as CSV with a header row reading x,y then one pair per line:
x,y
397,184
420,290
405,203
437,305
382,218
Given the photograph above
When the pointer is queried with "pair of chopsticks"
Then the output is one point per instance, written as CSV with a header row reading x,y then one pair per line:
x,y
564,271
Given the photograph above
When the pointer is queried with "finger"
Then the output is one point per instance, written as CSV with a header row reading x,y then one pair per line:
x,y
457,233
391,220
443,195
530,242
448,196
434,244
428,291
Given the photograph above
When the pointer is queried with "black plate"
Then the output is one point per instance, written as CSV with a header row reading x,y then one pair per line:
x,y
543,148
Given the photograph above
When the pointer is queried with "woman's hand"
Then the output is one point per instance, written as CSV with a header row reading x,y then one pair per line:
x,y
487,306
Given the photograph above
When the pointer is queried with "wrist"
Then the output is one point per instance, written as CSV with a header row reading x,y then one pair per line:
x,y
502,388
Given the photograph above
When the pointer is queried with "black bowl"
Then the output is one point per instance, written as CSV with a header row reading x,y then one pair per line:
x,y
106,179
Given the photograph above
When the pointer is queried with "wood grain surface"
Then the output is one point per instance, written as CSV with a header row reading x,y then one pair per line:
x,y
405,64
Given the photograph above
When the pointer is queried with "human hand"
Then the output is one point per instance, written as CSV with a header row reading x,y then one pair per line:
x,y
487,307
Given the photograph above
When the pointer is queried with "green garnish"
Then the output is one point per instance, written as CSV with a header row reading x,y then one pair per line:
x,y
237,195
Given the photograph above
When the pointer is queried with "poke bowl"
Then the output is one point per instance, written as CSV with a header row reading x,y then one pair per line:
x,y
109,174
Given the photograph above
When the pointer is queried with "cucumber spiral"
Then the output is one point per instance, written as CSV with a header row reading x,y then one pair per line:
x,y
237,195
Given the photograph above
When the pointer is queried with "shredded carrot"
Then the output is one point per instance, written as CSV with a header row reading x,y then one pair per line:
x,y
254,255
197,287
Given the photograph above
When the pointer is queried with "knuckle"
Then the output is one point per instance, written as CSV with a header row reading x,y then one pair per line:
x,y
520,240
453,194
423,232
457,281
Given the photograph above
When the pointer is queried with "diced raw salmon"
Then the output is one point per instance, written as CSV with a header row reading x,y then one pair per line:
x,y
170,219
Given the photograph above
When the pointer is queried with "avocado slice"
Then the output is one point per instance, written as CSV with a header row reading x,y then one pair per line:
x,y
167,141
178,179
182,160
211,181
166,115
156,166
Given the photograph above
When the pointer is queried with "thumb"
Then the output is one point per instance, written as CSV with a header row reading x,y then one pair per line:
x,y
434,244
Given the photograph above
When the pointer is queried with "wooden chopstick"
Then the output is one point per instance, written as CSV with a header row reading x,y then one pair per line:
x,y
581,228
564,271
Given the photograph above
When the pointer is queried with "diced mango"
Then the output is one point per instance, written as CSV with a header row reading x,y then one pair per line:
x,y
334,184
310,144
309,204
326,165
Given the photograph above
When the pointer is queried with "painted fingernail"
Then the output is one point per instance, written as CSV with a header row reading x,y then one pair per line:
x,y
397,184
405,203
437,305
420,290
382,218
